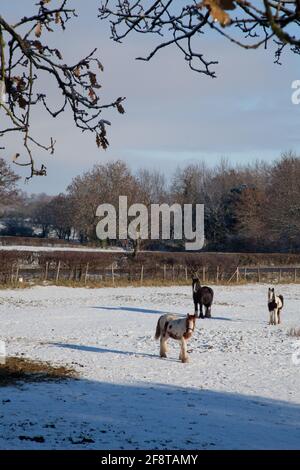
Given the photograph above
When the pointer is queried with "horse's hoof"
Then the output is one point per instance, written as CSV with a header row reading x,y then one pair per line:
x,y
201,316
207,316
185,360
163,356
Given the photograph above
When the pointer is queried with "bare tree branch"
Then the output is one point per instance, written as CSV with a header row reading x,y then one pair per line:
x,y
248,24
25,57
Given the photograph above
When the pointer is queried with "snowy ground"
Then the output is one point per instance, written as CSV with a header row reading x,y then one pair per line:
x,y
241,388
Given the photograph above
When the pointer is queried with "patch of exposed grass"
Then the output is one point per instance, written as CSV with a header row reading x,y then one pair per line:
x,y
123,282
118,283
18,369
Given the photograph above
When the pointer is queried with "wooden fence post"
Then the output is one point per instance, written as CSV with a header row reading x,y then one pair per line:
x,y
186,273
203,273
113,274
17,273
86,273
295,275
57,272
218,273
237,274
142,274
46,271
234,274
165,272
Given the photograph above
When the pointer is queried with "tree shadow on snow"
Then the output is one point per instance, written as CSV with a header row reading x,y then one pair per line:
x,y
94,349
158,312
136,310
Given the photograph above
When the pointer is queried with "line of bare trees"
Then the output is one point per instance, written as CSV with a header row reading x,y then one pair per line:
x,y
247,208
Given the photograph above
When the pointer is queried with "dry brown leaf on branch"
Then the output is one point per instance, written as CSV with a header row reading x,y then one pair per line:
x,y
58,54
93,95
217,9
22,102
100,66
20,82
119,106
77,72
38,30
38,45
57,17
226,4
93,78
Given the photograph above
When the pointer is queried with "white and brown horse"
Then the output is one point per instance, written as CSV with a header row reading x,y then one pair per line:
x,y
180,329
275,304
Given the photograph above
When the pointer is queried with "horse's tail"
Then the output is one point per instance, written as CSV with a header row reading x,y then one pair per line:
x,y
158,329
281,298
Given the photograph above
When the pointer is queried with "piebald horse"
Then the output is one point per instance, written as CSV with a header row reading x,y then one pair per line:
x,y
180,329
275,304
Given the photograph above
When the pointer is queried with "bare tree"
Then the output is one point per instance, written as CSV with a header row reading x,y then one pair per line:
x,y
25,60
103,184
59,212
250,215
37,210
248,24
152,186
8,181
282,211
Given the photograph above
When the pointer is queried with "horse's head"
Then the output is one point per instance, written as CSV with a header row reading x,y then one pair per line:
x,y
196,284
190,322
271,293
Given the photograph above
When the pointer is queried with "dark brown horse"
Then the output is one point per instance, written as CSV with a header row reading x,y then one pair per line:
x,y
202,295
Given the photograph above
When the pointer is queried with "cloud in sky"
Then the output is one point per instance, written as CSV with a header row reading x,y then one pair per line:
x,y
173,115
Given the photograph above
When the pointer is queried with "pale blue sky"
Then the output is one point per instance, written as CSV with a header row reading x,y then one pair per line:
x,y
173,115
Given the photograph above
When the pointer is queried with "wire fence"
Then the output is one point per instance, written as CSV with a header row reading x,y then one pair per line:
x,y
113,274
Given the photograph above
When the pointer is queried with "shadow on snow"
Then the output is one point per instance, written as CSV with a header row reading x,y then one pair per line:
x,y
157,312
94,349
89,414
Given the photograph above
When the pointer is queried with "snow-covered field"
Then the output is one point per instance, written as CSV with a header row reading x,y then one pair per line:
x,y
241,388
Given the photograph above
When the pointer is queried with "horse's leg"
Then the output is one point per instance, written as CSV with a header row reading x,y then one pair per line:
x,y
196,308
201,310
278,314
208,311
275,315
183,356
271,322
163,346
